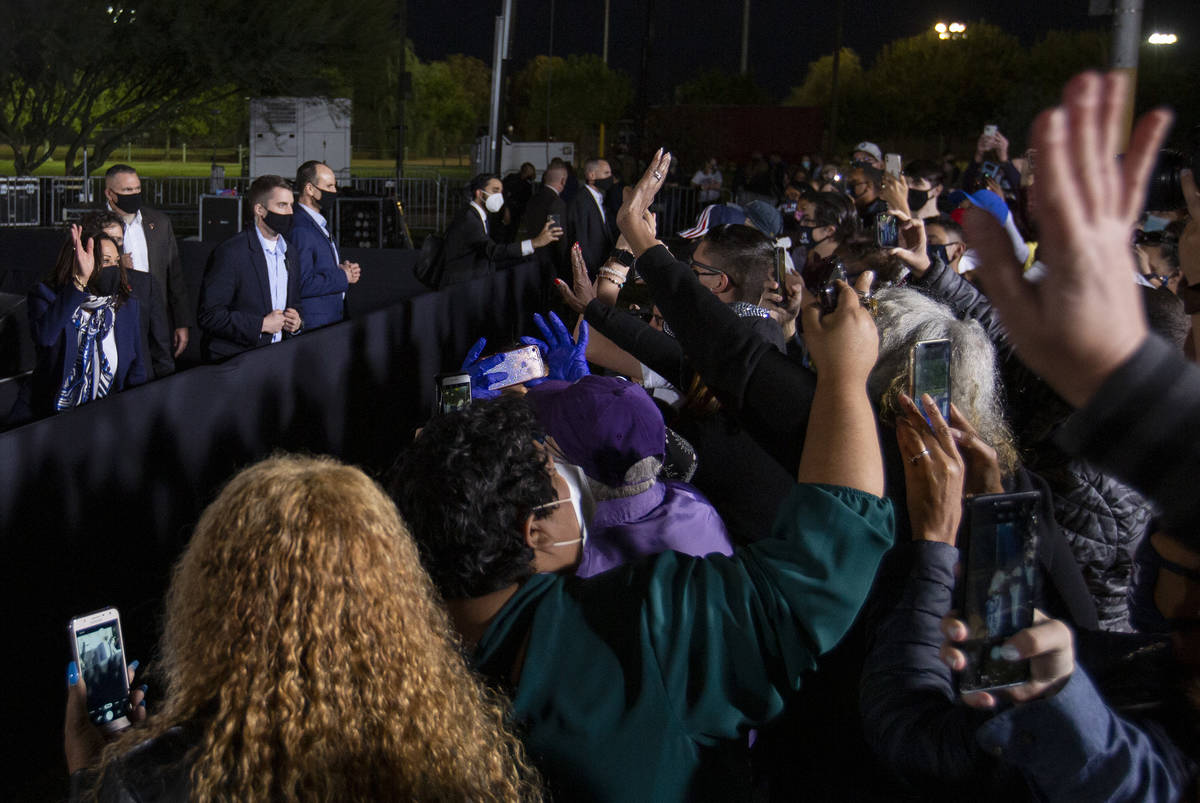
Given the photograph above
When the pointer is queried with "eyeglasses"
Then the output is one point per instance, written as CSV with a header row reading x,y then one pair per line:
x,y
701,269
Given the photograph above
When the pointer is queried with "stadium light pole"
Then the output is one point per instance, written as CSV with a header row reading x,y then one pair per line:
x,y
1127,37
745,36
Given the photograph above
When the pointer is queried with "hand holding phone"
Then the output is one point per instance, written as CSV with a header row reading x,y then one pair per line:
x,y
929,372
998,586
98,648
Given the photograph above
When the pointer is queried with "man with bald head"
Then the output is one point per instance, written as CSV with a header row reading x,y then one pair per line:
x,y
324,275
546,202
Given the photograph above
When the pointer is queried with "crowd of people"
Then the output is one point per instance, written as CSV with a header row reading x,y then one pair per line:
x,y
716,548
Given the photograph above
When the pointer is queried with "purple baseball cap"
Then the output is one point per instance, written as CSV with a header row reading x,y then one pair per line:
x,y
603,424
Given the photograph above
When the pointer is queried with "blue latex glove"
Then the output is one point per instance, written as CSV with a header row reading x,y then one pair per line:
x,y
565,358
481,380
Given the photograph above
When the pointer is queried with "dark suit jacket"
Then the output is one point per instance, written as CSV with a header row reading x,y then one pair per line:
x,y
587,227
156,333
54,338
167,269
546,202
236,295
469,251
322,282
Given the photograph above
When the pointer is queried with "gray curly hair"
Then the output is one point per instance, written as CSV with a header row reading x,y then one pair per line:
x,y
906,316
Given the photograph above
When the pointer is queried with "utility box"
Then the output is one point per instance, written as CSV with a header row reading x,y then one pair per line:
x,y
514,154
286,132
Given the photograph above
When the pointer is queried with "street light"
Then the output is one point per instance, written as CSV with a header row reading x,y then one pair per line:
x,y
1162,39
952,30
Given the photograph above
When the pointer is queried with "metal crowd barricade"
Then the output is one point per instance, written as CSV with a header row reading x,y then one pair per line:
x,y
20,201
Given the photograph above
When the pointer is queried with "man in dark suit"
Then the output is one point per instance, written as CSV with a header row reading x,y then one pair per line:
x,y
469,250
589,223
152,312
252,285
150,241
518,189
324,277
548,201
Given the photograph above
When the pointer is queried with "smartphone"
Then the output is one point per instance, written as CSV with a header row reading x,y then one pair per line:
x,y
989,130
781,271
821,280
555,220
999,584
887,231
929,372
992,171
99,651
891,164
452,392
521,365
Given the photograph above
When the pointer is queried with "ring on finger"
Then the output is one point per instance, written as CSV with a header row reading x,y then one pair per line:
x,y
917,457
657,176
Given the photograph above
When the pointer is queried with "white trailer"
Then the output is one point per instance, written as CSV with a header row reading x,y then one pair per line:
x,y
286,132
514,154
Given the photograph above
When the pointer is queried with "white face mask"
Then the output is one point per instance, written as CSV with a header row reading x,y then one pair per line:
x,y
581,499
494,202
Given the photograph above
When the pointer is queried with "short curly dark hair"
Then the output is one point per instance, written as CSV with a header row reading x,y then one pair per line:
x,y
465,488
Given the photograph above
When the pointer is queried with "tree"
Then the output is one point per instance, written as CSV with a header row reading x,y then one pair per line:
x,y
568,99
713,87
924,84
817,89
90,73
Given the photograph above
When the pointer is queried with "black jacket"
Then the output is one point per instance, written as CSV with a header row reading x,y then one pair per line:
x,y
585,225
469,251
155,329
236,295
153,771
167,268
546,202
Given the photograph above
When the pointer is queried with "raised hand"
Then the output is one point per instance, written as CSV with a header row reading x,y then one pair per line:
x,y
566,358
582,291
481,380
85,258
634,218
933,471
1085,318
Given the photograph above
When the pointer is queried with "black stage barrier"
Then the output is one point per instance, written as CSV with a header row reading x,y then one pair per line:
x,y
96,503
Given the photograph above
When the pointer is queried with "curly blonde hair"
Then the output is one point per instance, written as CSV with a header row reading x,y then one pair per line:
x,y
305,641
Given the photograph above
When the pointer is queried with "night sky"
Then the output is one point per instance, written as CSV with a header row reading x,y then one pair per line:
x,y
785,35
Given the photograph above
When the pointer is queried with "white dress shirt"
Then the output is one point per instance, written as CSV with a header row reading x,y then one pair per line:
x,y
526,245
599,199
277,275
135,242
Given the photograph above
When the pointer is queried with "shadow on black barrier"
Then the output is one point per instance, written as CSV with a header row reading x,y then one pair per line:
x,y
96,504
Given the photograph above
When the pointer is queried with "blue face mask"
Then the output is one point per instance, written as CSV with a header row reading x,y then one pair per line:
x,y
804,236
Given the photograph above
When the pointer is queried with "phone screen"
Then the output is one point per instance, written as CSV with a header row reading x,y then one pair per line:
x,y
101,657
891,164
887,232
521,365
1000,586
930,373
453,393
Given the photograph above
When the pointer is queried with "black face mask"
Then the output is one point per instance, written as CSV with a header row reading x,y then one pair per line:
x,y
805,237
280,224
129,204
938,252
917,199
327,197
603,184
108,281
